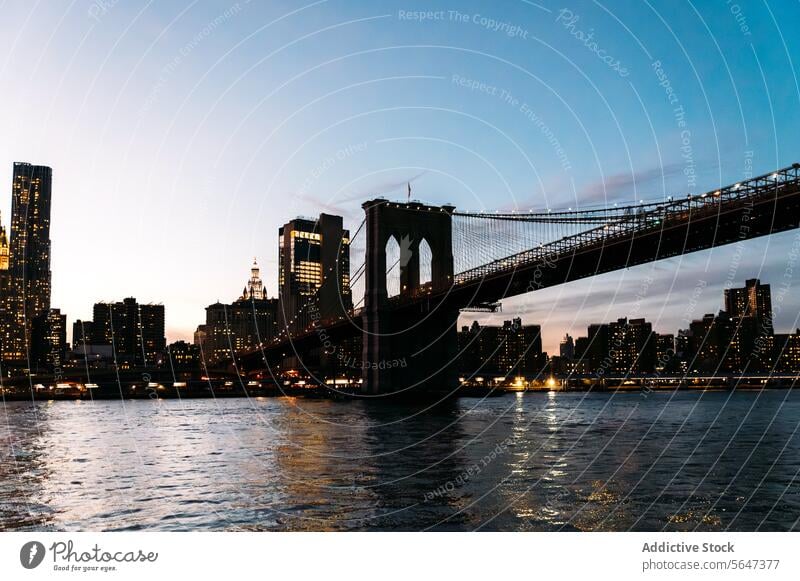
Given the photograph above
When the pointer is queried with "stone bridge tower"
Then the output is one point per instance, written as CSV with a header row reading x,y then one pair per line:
x,y
409,342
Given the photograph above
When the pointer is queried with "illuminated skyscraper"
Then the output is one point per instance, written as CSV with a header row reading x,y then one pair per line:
x,y
27,296
3,246
3,261
313,271
49,344
753,301
4,275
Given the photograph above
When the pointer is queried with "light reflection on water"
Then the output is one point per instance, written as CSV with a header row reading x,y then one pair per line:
x,y
681,461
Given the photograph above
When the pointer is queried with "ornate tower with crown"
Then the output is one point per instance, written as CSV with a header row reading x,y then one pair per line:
x,y
254,289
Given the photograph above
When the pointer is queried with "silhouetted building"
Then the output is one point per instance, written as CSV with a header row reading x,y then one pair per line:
x,y
89,346
49,340
511,349
632,346
566,349
618,348
4,276
683,347
85,333
592,350
786,352
724,344
27,294
753,301
3,265
709,342
750,312
135,331
200,335
182,355
665,353
313,272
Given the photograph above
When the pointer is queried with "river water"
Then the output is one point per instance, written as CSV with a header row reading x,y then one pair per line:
x,y
520,462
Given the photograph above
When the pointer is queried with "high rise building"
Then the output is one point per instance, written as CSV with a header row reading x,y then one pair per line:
x,y
593,350
27,296
566,349
617,348
632,346
510,349
754,301
709,343
666,359
49,340
3,276
84,333
750,312
786,352
313,271
135,331
3,247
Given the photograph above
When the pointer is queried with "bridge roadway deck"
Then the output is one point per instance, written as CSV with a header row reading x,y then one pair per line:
x,y
679,233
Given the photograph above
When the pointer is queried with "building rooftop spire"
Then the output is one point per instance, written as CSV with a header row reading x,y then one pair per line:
x,y
254,289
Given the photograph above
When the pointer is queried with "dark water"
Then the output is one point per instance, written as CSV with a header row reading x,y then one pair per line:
x,y
682,461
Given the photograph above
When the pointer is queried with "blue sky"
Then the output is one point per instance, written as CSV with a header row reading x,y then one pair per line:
x,y
182,134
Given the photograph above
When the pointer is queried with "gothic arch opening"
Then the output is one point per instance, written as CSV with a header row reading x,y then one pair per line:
x,y
392,267
425,263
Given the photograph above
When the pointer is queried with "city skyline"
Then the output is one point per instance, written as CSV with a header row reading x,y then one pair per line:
x,y
224,160
550,337
399,266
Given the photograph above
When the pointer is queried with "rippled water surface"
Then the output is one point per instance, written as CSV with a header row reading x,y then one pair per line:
x,y
706,461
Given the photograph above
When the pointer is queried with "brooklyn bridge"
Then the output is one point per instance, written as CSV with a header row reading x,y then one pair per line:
x,y
473,260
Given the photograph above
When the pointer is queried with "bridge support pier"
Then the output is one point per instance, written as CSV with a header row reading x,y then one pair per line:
x,y
410,352
409,344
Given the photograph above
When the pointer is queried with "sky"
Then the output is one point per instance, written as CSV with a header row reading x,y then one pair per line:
x,y
182,134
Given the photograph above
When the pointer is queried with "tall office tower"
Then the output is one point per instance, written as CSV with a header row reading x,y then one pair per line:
x,y
566,348
3,261
28,288
135,331
520,348
152,338
3,246
594,350
83,334
632,346
313,272
750,312
49,343
4,275
754,300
